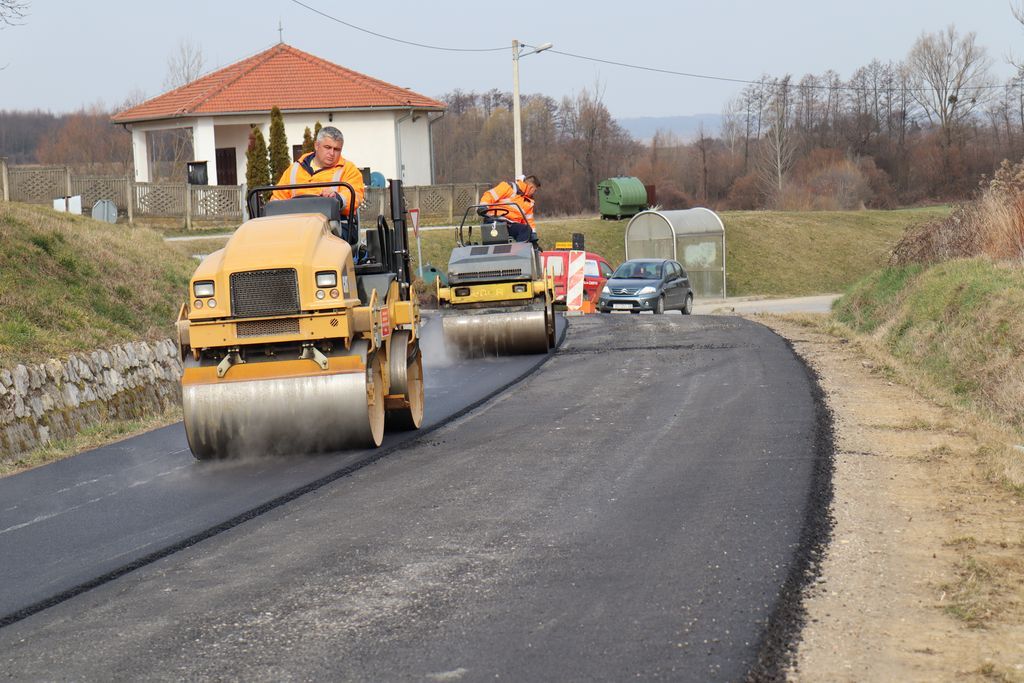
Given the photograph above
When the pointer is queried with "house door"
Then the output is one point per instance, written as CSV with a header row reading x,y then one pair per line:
x,y
227,168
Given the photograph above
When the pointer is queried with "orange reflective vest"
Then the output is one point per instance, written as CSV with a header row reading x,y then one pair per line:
x,y
506,193
301,171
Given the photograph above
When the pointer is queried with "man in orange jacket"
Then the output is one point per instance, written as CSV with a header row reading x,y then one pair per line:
x,y
520,194
324,164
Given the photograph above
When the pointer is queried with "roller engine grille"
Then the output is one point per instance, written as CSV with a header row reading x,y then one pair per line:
x,y
265,292
267,328
484,274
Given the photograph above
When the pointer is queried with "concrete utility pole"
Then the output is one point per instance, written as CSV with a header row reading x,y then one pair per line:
x,y
517,113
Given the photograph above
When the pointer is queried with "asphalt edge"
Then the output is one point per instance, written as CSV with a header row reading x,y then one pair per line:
x,y
776,653
371,457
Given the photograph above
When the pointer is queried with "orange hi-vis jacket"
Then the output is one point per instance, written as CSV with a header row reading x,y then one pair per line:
x,y
506,193
301,171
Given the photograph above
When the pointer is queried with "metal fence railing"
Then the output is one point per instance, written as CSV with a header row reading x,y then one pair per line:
x,y
42,184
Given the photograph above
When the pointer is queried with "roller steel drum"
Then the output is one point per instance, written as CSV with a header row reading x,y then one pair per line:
x,y
314,413
405,366
499,334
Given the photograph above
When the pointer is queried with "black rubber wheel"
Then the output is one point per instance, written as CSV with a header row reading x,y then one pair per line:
x,y
688,306
659,307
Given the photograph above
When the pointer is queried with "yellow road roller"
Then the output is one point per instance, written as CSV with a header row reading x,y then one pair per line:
x,y
498,300
301,334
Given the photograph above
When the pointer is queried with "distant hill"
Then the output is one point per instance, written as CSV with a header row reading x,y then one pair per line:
x,y
686,128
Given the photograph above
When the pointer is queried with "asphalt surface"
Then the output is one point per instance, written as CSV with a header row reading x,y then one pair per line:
x,y
821,303
648,504
81,521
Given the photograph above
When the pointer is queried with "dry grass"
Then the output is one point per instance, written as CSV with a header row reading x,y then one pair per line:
x,y
998,460
68,283
974,597
992,226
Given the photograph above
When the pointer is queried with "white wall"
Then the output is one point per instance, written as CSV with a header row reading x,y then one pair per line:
x,y
415,148
369,136
237,136
371,139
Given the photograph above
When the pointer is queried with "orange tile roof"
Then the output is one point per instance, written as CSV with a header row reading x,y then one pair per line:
x,y
281,76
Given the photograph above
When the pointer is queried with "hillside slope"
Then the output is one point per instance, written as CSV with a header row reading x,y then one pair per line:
x,y
69,283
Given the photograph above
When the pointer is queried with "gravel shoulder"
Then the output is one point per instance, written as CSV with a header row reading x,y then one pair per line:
x,y
924,578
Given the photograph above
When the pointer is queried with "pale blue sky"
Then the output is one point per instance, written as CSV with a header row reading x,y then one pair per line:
x,y
70,53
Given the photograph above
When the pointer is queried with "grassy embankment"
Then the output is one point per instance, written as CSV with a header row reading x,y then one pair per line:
x,y
68,284
71,284
955,331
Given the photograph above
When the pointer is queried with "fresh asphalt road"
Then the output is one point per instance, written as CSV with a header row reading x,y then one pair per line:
x,y
642,506
74,522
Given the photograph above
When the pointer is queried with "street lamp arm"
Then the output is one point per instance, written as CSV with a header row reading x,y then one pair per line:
x,y
536,49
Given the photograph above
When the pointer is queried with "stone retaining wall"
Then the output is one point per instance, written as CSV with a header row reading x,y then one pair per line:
x,y
57,399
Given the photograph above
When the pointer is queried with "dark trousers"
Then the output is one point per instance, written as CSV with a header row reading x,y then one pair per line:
x,y
520,232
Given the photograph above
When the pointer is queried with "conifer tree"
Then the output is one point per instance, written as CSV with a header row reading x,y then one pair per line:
x,y
316,130
257,165
307,141
280,159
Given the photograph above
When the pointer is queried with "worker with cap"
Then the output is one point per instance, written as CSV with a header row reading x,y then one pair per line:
x,y
503,199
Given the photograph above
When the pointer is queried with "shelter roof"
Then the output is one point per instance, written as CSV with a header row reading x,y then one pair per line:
x,y
281,76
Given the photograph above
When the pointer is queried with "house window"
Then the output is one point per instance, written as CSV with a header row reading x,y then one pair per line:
x,y
296,152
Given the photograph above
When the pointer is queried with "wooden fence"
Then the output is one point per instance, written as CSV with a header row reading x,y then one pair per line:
x,y
438,204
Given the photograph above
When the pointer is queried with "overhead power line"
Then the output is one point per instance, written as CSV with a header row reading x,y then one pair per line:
x,y
626,65
745,81
398,40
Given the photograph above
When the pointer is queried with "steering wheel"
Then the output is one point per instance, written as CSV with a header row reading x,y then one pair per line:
x,y
493,212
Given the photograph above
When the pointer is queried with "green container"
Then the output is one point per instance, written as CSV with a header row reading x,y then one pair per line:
x,y
430,273
620,197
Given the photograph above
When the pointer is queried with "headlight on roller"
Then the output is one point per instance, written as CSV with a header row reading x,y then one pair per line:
x,y
203,288
326,279
647,290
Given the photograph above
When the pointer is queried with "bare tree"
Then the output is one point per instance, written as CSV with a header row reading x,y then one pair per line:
x,y
779,145
950,78
185,65
12,12
175,147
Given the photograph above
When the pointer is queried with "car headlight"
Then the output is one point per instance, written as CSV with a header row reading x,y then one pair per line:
x,y
605,290
647,290
203,288
326,279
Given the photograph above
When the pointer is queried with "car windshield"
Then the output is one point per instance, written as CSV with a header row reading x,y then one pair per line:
x,y
638,271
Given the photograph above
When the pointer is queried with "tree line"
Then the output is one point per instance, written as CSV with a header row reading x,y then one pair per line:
x,y
928,128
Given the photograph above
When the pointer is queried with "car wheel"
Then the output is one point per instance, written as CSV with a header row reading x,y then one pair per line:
x,y
688,306
659,307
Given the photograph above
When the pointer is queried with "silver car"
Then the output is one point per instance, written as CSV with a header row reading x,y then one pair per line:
x,y
655,285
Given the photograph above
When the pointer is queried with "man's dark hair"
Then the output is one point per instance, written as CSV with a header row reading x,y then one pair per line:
x,y
533,180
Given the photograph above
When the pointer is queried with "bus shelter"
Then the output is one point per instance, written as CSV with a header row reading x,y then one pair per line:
x,y
694,237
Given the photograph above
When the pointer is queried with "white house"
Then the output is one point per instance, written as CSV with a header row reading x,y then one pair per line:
x,y
386,127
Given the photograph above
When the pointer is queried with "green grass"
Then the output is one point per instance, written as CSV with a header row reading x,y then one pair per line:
x,y
68,283
958,322
768,253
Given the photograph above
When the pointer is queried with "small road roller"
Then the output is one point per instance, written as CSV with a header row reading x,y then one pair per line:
x,y
299,335
498,300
